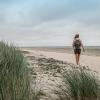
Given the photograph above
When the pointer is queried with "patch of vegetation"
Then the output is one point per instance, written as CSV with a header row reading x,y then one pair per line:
x,y
79,85
15,76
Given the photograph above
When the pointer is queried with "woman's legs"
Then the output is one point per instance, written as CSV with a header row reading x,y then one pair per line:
x,y
77,56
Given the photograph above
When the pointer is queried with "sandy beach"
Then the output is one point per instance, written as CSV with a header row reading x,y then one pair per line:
x,y
47,66
93,62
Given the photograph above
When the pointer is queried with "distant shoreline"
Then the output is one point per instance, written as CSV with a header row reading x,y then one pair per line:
x,y
89,50
87,47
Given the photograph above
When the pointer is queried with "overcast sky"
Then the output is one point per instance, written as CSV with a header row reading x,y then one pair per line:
x,y
49,22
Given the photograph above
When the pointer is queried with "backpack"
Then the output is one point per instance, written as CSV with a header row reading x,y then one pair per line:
x,y
77,44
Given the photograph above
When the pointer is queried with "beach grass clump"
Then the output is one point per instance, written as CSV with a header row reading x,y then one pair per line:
x,y
79,84
14,74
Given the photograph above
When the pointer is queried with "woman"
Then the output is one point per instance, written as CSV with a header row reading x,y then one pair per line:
x,y
77,44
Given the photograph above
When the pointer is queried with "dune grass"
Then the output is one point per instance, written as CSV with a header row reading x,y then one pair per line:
x,y
14,74
15,83
79,85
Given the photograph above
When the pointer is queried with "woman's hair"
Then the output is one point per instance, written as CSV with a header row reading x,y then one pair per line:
x,y
76,36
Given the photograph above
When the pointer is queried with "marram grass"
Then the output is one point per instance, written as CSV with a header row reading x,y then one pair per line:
x,y
15,80
79,85
14,74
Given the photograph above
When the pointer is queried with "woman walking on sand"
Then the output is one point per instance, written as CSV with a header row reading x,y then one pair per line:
x,y
77,44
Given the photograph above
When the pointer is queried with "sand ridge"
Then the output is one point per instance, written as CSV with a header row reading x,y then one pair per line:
x,y
47,69
93,62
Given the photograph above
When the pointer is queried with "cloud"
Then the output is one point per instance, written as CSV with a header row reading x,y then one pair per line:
x,y
49,22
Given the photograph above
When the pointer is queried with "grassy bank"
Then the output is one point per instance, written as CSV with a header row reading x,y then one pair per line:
x,y
35,80
14,74
79,84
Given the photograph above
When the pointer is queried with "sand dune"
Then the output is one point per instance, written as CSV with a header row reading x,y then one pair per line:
x,y
48,72
93,62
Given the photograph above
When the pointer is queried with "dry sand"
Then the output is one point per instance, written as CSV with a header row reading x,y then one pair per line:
x,y
48,71
93,62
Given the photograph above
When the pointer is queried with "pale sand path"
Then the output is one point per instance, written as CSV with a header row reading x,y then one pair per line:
x,y
92,61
